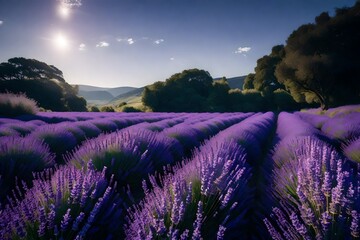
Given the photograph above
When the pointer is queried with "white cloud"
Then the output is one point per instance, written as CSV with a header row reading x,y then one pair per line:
x,y
243,50
1,22
71,3
102,44
172,59
82,47
130,41
158,41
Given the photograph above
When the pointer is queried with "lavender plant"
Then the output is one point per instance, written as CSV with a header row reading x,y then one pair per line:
x,y
16,104
343,126
318,193
206,198
88,128
72,204
130,155
58,140
19,158
352,150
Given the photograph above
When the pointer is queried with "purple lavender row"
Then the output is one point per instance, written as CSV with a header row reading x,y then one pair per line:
x,y
19,158
318,192
130,155
198,200
74,204
206,198
133,153
192,133
315,120
290,125
343,126
64,137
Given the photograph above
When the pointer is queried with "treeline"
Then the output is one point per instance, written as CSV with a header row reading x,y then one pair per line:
x,y
42,82
318,66
195,90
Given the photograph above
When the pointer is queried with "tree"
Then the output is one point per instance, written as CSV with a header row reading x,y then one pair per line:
x,y
107,109
264,79
41,82
218,100
321,63
249,81
187,91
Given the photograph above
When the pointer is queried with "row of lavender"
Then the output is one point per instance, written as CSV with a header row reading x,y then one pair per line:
x,y
315,189
128,155
343,128
142,182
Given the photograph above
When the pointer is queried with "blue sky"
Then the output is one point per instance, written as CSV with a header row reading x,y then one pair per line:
x,y
112,43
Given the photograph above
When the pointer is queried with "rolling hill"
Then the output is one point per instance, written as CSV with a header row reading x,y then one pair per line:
x,y
99,95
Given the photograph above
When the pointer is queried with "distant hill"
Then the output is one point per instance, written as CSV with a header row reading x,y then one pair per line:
x,y
96,95
235,82
100,95
128,96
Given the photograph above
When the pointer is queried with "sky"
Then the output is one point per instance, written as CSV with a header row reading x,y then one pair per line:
x,y
112,43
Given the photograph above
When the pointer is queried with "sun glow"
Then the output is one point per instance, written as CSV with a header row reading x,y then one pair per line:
x,y
64,11
61,42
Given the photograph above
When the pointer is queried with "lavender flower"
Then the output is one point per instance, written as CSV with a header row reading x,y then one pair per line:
x,y
320,201
181,192
99,217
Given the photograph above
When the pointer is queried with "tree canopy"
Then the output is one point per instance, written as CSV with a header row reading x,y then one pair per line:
x,y
182,92
321,62
265,80
42,82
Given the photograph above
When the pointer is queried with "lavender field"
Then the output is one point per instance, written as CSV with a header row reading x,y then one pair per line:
x,y
181,175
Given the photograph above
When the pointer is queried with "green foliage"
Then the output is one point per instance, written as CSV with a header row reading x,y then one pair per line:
x,y
264,79
107,109
94,109
16,104
195,91
182,92
41,82
130,109
218,99
321,64
249,81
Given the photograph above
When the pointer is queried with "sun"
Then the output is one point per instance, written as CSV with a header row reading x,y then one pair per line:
x,y
61,42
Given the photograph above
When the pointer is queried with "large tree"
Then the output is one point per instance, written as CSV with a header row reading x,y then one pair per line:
x,y
187,91
321,62
41,82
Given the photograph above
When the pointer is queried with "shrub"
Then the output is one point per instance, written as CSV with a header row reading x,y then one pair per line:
x,y
19,158
107,109
57,138
16,104
130,109
94,109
